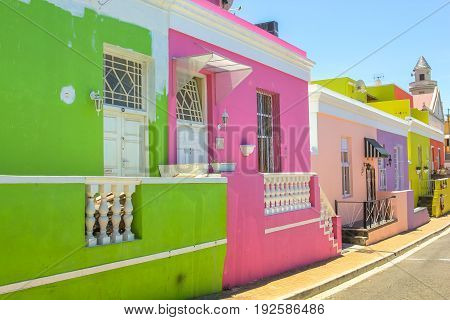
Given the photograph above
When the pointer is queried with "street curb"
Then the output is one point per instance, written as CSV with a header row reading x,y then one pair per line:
x,y
331,283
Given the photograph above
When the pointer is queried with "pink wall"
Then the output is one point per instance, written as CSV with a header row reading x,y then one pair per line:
x,y
407,219
403,205
327,164
241,107
251,253
417,219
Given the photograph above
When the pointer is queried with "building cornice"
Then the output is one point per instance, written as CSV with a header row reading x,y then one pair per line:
x,y
326,101
197,21
425,130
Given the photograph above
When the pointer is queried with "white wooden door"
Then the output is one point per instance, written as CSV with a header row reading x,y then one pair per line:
x,y
192,145
124,144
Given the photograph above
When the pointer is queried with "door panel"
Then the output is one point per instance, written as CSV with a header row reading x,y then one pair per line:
x,y
112,145
133,147
191,144
124,144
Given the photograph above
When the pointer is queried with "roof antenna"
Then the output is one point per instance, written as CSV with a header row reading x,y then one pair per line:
x,y
236,10
377,78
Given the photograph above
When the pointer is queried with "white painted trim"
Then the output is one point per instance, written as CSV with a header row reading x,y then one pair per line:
x,y
206,180
323,100
290,226
41,180
106,267
148,76
425,130
103,179
199,22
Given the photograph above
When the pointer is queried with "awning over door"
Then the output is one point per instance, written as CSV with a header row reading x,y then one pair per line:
x,y
228,73
373,149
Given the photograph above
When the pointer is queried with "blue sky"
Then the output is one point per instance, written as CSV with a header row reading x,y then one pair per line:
x,y
337,34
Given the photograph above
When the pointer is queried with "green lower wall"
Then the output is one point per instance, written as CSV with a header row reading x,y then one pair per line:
x,y
43,49
190,275
43,233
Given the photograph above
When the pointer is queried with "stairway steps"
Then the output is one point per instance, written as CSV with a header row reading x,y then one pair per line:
x,y
358,240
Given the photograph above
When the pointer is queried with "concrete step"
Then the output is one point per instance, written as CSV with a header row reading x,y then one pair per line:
x,y
355,232
358,240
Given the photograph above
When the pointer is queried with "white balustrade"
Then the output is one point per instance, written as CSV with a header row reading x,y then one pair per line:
x,y
284,192
114,206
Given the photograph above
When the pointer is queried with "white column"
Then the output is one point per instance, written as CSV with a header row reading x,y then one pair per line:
x,y
266,196
91,190
307,191
103,220
128,216
116,209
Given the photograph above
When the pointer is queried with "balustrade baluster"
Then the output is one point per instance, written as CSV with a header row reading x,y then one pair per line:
x,y
116,209
91,191
103,220
128,216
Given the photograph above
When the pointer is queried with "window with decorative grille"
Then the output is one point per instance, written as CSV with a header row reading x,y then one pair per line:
x,y
189,103
265,132
123,82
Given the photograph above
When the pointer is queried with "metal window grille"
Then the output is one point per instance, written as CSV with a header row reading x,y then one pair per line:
x,y
345,164
265,132
189,103
123,82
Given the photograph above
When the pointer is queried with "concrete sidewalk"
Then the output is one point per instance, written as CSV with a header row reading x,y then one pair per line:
x,y
354,261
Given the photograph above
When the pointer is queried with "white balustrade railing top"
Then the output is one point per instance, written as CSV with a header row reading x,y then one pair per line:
x,y
285,192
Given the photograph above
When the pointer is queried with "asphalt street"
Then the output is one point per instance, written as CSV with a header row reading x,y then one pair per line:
x,y
423,275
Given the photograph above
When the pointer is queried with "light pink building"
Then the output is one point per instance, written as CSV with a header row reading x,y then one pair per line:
x,y
360,154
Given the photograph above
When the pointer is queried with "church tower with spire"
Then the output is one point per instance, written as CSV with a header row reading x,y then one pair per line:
x,y
426,94
422,74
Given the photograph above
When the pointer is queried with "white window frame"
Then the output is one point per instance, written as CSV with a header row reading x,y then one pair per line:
x,y
148,92
382,176
270,161
438,158
201,83
148,81
432,159
203,92
346,178
397,169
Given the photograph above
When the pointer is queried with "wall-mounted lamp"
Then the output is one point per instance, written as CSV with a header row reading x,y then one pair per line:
x,y
97,98
389,161
225,117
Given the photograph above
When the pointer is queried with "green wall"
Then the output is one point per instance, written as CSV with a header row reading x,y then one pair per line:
x,y
383,92
398,108
420,115
414,141
343,86
44,48
43,234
